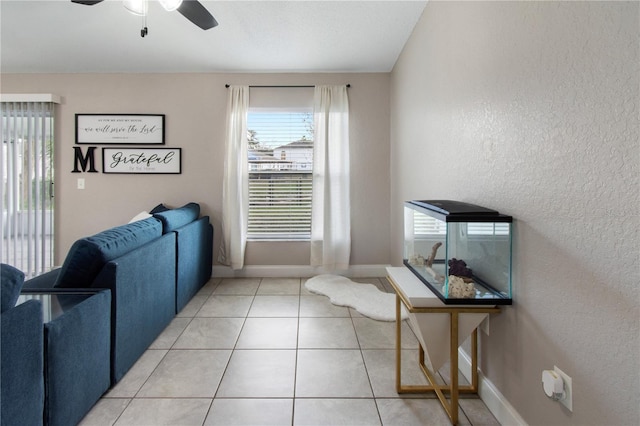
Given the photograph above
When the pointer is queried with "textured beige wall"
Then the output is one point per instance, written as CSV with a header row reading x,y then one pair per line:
x,y
531,108
195,106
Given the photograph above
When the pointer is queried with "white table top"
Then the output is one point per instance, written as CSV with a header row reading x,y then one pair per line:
x,y
413,289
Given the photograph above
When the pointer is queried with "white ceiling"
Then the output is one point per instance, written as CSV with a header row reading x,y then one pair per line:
x,y
57,36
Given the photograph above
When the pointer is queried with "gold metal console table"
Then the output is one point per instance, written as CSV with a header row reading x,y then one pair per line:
x,y
454,313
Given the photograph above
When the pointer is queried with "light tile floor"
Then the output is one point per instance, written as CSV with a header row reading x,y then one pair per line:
x,y
268,352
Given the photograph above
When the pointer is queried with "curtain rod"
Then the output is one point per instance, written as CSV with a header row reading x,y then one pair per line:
x,y
276,87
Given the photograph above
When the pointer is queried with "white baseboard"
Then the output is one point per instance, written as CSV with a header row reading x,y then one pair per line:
x,y
294,271
501,409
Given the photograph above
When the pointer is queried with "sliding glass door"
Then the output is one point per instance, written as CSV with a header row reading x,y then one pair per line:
x,y
26,167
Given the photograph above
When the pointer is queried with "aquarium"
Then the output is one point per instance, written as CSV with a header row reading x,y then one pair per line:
x,y
461,251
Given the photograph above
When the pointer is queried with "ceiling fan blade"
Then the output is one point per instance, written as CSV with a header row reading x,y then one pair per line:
x,y
194,11
87,2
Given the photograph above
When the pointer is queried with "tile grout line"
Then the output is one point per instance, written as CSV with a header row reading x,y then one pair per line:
x,y
244,322
295,366
214,394
364,364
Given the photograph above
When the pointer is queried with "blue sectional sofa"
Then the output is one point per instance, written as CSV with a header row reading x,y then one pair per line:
x,y
151,269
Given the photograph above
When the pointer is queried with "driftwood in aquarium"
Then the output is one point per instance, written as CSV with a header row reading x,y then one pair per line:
x,y
434,250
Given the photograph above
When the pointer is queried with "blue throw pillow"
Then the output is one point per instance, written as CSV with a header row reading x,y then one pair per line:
x,y
12,280
177,218
159,208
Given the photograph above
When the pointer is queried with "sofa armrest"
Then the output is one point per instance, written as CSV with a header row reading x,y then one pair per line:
x,y
77,367
42,282
194,259
22,354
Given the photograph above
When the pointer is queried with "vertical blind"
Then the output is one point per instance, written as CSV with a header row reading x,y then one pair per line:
x,y
26,167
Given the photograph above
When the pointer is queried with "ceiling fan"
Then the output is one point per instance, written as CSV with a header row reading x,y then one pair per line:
x,y
193,10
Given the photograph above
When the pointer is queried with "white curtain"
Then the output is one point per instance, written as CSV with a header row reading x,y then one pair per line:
x,y
330,211
235,192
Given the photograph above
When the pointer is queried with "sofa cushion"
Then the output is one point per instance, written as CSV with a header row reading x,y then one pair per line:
x,y
88,255
12,280
177,218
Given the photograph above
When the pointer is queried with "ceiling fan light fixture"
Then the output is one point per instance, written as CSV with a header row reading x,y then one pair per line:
x,y
137,7
193,10
170,5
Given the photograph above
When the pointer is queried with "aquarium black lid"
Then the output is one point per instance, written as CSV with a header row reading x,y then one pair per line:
x,y
449,207
457,211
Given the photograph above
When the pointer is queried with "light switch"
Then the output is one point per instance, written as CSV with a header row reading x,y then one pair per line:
x,y
80,183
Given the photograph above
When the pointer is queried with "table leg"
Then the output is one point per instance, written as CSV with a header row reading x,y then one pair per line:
x,y
398,345
453,344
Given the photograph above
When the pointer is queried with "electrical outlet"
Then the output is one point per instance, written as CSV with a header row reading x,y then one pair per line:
x,y
567,401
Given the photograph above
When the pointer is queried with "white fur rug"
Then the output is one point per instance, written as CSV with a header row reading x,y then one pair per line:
x,y
365,298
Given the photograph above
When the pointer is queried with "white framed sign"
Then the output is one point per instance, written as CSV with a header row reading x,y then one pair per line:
x,y
134,129
142,160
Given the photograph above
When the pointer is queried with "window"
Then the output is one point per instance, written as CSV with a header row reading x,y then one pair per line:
x,y
280,156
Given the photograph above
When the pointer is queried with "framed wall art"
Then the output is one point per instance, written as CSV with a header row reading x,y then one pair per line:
x,y
142,160
121,129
